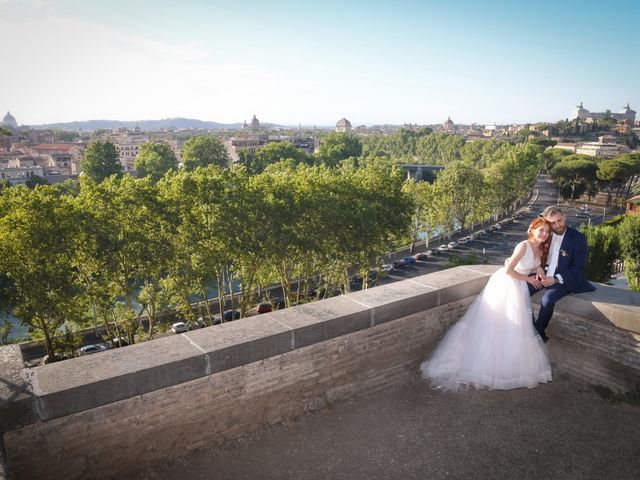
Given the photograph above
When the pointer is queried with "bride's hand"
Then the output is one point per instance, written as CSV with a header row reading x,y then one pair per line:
x,y
533,280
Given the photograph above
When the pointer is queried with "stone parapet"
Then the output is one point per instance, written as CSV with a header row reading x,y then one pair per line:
x,y
103,415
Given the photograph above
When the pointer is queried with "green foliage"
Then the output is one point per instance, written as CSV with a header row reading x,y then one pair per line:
x,y
5,331
574,173
439,148
202,151
272,153
33,182
38,234
65,136
154,160
629,231
338,146
101,161
4,183
604,248
511,176
457,194
5,131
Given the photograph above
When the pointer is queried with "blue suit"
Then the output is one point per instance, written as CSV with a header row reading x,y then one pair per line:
x,y
572,262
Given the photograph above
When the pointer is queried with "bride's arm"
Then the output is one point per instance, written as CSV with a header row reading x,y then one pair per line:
x,y
518,253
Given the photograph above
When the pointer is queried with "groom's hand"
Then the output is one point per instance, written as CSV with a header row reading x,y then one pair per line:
x,y
548,281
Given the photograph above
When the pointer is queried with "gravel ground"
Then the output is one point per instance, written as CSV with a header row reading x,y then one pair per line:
x,y
555,431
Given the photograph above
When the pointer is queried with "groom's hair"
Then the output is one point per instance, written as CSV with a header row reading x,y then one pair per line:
x,y
552,210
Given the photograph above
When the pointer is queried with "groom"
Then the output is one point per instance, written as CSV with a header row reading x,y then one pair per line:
x,y
566,265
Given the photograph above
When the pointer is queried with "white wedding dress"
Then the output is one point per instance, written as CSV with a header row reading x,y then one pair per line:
x,y
494,345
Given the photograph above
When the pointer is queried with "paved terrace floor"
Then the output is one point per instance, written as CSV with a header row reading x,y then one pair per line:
x,y
555,431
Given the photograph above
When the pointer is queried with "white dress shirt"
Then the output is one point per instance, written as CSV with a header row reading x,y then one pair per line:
x,y
554,253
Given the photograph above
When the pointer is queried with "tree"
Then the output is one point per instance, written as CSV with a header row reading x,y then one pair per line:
x,y
629,231
195,202
458,191
154,160
272,153
201,151
613,174
124,245
38,232
100,161
5,132
65,136
551,156
338,146
574,173
33,182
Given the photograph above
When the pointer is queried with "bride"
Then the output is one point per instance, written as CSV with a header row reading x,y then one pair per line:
x,y
494,345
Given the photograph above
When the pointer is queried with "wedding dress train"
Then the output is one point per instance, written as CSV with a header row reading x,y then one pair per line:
x,y
494,345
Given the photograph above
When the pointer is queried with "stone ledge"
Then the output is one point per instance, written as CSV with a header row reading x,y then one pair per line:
x,y
86,382
83,383
608,305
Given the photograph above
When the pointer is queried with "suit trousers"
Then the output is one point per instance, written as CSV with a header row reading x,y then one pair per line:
x,y
548,301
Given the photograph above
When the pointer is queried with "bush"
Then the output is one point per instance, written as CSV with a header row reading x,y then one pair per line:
x,y
629,232
604,245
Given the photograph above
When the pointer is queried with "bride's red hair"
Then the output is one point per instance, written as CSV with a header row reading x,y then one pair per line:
x,y
544,246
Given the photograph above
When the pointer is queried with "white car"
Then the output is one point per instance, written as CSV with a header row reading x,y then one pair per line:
x,y
387,267
179,327
89,349
452,245
443,248
463,240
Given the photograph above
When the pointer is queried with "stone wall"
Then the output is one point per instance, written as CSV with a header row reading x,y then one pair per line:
x,y
104,415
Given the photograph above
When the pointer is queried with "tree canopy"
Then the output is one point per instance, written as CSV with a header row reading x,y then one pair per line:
x,y
154,160
100,161
338,146
201,151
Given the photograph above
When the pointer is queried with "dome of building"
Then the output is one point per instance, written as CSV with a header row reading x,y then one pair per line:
x,y
448,124
343,125
255,124
9,120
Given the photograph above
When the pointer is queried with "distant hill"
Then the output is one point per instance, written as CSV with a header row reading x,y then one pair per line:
x,y
168,123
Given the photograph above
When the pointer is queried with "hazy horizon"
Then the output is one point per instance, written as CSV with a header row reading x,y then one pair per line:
x,y
289,63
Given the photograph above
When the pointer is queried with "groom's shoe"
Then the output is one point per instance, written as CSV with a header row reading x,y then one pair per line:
x,y
544,338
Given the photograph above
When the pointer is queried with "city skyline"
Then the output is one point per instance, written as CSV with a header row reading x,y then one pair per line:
x,y
290,64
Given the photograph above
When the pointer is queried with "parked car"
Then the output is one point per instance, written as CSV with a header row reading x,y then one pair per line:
x,y
408,260
430,252
264,307
179,327
443,248
199,323
387,267
94,348
583,215
452,245
420,256
116,342
231,315
497,226
277,303
481,233
463,240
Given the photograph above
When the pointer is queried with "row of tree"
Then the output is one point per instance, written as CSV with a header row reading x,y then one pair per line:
x,y
580,174
128,246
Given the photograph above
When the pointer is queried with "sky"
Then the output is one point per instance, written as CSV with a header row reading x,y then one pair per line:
x,y
312,63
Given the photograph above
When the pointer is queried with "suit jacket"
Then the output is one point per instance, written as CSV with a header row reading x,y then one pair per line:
x,y
572,261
